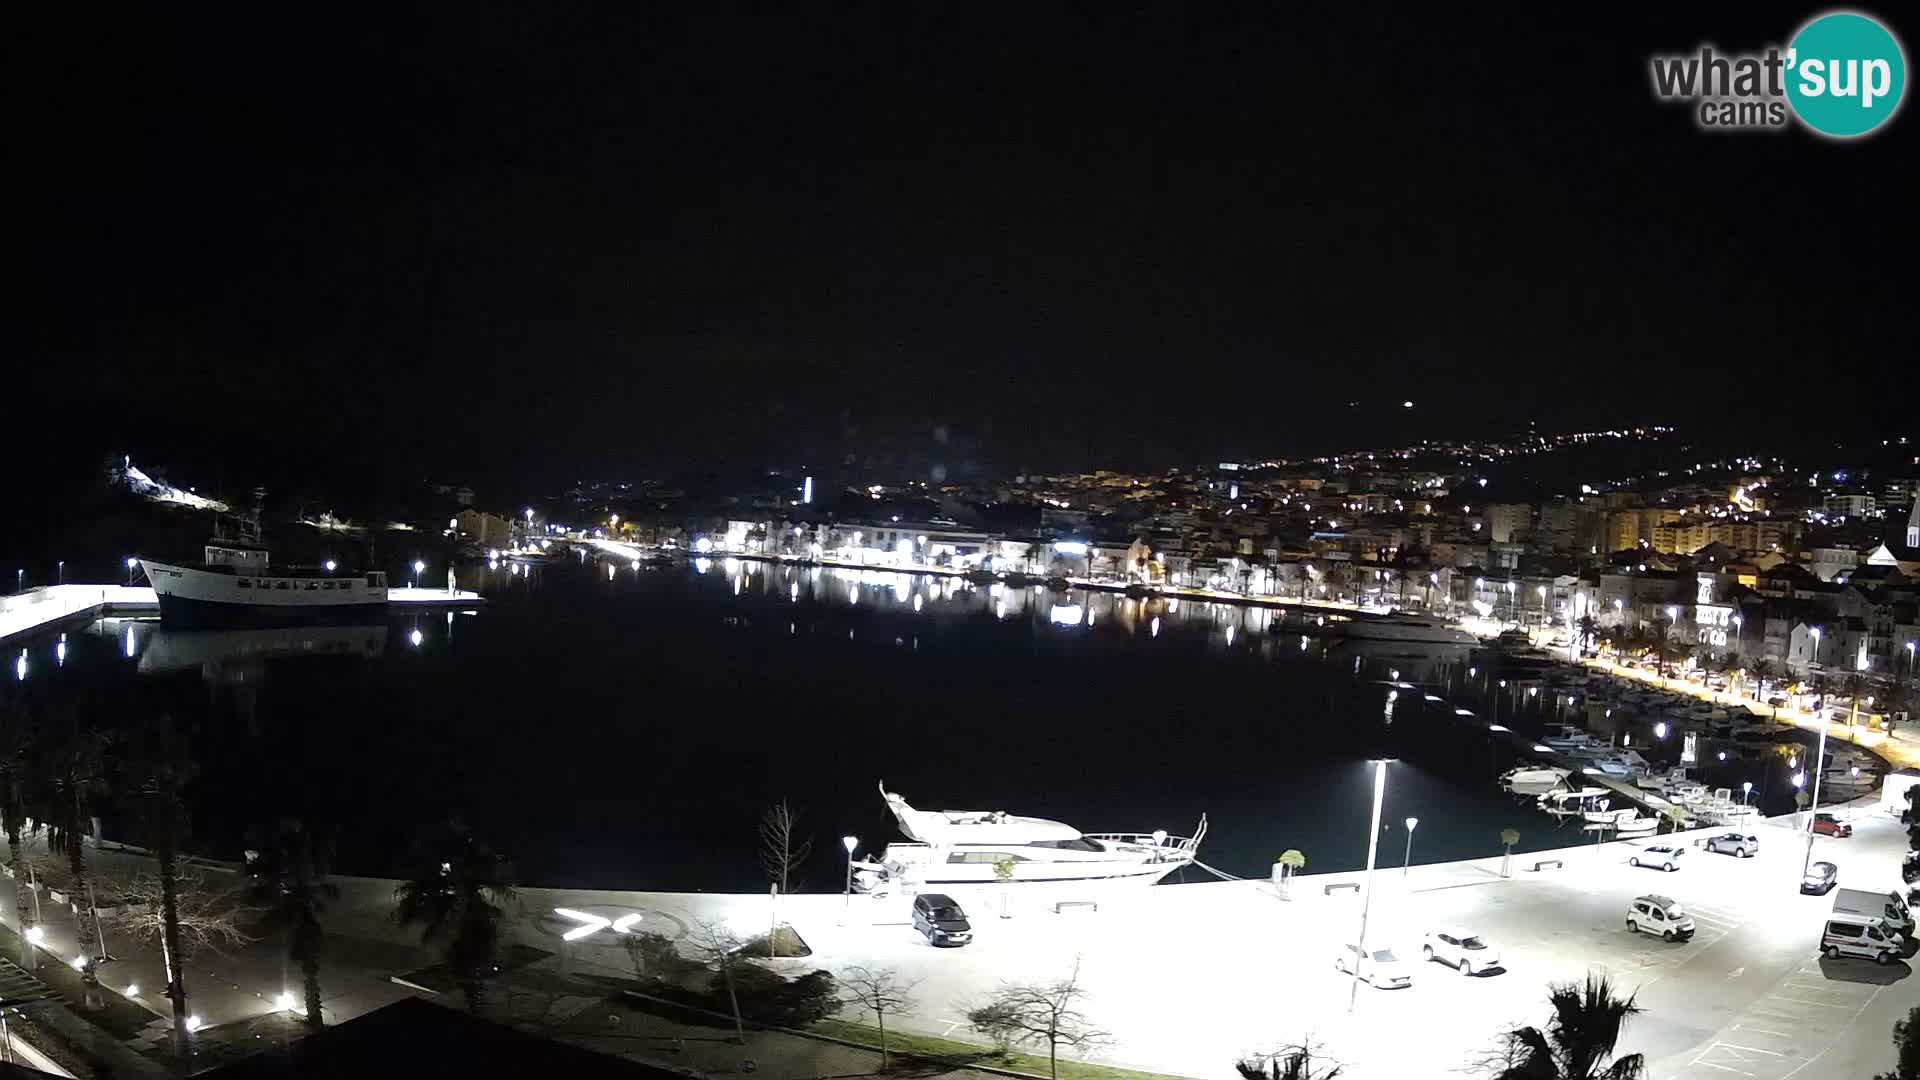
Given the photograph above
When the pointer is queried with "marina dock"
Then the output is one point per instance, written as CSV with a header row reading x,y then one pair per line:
x,y
51,605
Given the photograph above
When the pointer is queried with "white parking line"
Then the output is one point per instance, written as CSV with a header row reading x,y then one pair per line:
x,y
1763,1031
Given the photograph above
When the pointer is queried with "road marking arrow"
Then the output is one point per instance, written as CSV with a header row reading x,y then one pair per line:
x,y
589,924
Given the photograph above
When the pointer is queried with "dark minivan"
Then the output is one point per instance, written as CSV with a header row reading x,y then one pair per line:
x,y
938,916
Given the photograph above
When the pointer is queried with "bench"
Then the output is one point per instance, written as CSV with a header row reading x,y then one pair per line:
x,y
1327,890
1544,863
1063,905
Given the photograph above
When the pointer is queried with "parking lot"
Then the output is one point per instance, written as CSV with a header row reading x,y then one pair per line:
x,y
1188,977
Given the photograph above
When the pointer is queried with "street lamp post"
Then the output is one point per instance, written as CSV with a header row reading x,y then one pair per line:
x,y
1815,631
1813,808
1407,859
1746,790
1373,850
846,898
1542,590
418,566
60,572
131,563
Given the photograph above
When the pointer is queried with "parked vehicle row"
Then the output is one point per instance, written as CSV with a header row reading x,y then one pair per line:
x,y
1463,950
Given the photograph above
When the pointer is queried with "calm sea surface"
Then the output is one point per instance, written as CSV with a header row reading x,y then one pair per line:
x,y
621,728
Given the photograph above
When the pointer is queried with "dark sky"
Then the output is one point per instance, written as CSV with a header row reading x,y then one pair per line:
x,y
549,237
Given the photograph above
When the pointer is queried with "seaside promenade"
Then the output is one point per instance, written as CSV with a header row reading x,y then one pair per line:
x,y
1188,977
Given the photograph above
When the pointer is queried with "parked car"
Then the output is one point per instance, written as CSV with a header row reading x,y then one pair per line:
x,y
940,920
1910,867
1846,937
1661,916
1467,951
1819,878
1664,856
1379,967
1739,845
1828,825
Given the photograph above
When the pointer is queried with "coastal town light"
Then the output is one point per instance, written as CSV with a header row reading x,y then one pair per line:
x,y
1407,859
331,566
133,562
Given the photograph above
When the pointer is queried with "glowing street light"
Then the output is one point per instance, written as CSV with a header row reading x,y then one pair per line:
x,y
133,562
1373,850
846,898
331,566
418,567
1407,859
1746,790
1660,730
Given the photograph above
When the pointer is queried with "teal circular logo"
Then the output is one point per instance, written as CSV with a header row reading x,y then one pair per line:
x,y
1845,74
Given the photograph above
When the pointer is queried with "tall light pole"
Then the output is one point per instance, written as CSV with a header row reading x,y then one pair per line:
x,y
1373,850
131,563
1813,808
418,566
60,572
1746,790
846,898
1407,859
1542,590
1910,660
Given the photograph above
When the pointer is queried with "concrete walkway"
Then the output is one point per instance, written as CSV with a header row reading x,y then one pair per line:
x,y
1900,749
49,605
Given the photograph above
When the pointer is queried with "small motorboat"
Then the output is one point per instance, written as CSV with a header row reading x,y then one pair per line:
x,y
1539,777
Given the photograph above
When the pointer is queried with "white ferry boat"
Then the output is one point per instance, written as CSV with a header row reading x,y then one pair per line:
x,y
962,847
236,585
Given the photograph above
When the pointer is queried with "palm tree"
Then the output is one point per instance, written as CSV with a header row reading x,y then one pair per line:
x,y
290,881
1588,627
1291,861
73,771
158,768
1580,1039
1762,671
15,798
459,896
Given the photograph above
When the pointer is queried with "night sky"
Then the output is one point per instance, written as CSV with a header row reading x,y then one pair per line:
x,y
549,238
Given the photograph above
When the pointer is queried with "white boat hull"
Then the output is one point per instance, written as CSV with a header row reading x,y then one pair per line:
x,y
195,597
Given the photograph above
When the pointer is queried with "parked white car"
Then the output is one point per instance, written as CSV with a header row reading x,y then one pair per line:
x,y
1662,856
1466,951
1661,916
1378,966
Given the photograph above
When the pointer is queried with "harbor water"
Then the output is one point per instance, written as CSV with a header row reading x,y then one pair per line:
x,y
619,726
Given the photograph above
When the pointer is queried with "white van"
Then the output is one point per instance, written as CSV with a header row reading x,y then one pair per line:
x,y
1887,908
1860,937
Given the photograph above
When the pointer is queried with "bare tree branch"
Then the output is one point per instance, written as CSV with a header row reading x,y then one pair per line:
x,y
783,847
880,992
212,916
720,948
1039,1013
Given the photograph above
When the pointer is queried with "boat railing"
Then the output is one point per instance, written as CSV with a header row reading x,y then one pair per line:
x,y
1164,843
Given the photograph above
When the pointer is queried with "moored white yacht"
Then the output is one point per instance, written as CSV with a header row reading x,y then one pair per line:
x,y
1399,626
961,847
